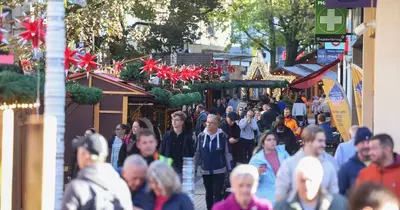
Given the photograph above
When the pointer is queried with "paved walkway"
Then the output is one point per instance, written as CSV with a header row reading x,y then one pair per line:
x,y
199,195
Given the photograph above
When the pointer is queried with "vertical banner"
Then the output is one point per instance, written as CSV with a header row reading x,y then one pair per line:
x,y
339,105
358,88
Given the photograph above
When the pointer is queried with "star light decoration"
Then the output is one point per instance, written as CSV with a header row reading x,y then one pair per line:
x,y
163,71
118,65
69,59
150,66
185,74
87,62
35,31
2,31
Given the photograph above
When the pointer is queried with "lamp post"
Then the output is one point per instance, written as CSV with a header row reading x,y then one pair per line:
x,y
54,100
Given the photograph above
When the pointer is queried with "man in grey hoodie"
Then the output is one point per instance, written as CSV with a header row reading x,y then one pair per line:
x,y
98,185
314,145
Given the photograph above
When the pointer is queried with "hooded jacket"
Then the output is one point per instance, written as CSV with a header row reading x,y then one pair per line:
x,y
386,176
212,152
266,183
348,173
92,181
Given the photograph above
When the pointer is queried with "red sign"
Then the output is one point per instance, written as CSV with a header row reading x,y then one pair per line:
x,y
284,55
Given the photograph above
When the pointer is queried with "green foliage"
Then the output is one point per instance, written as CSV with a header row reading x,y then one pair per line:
x,y
131,72
179,27
266,24
15,87
84,95
161,96
181,99
12,68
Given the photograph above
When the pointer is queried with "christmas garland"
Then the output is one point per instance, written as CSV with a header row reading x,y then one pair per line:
x,y
175,101
15,87
231,85
84,95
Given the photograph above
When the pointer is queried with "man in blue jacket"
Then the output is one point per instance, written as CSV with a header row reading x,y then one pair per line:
x,y
349,171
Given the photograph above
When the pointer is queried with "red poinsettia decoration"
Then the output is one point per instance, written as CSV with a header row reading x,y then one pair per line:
x,y
87,62
231,69
69,58
163,72
35,32
2,38
118,65
150,66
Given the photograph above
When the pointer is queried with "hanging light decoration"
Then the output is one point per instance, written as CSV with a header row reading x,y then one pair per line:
x,y
34,32
150,66
69,58
87,62
163,72
118,65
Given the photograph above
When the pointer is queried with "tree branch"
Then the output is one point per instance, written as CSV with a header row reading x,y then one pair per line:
x,y
254,40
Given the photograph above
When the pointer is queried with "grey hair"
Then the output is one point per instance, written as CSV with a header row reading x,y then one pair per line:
x,y
165,177
214,117
353,130
135,160
245,170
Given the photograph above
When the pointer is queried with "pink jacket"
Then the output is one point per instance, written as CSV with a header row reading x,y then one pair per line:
x,y
231,204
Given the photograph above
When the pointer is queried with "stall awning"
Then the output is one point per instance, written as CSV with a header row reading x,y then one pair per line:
x,y
313,78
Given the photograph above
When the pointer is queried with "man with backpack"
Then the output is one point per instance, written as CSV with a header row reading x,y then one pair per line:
x,y
98,185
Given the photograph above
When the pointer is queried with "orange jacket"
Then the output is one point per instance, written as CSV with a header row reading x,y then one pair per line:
x,y
387,176
292,124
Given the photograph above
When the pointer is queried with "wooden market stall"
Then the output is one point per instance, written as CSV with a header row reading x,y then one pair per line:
x,y
122,102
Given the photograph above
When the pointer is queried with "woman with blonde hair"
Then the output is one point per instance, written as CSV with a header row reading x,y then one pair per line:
x,y
166,189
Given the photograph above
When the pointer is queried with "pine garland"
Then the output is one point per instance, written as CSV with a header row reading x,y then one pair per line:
x,y
18,88
84,95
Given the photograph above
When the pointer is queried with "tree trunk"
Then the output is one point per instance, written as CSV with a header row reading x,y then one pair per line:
x,y
292,48
54,96
272,36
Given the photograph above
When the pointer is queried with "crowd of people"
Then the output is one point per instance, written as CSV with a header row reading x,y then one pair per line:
x,y
263,157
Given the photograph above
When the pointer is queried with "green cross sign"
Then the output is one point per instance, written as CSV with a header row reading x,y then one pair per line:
x,y
330,24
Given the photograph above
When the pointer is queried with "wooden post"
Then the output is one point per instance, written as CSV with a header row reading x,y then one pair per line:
x,y
125,109
96,117
32,169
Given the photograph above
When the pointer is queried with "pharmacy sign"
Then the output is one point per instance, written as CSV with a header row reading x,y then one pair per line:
x,y
330,25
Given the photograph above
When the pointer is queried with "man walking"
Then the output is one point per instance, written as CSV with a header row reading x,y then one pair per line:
x,y
346,150
212,154
201,118
349,171
98,185
177,143
314,145
385,167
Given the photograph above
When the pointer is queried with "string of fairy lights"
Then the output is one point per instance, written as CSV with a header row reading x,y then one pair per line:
x,y
5,106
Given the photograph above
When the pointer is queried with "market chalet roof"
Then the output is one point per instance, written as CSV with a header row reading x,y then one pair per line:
x,y
302,70
111,79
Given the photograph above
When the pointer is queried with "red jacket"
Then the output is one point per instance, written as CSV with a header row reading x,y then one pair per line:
x,y
388,176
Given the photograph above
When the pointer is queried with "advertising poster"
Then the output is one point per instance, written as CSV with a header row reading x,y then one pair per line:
x,y
358,88
340,109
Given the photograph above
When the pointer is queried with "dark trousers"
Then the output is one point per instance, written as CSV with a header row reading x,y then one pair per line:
x,y
316,119
248,148
213,185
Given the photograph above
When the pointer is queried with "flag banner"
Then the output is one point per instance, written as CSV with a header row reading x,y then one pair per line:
x,y
340,109
358,88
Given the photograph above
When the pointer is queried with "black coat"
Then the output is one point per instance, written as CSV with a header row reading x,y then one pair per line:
x,y
167,149
126,150
267,118
287,138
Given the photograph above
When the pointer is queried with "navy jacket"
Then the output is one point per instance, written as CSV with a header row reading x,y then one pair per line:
x,y
328,132
179,201
348,173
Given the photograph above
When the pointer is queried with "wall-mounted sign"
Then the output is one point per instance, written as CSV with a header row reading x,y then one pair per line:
x,y
330,23
328,56
331,4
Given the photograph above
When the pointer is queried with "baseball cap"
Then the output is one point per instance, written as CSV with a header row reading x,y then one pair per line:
x,y
95,144
362,134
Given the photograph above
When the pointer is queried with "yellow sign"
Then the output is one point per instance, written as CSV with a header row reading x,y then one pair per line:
x,y
358,88
340,109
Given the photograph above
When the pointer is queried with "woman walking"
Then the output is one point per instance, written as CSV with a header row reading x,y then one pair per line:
x,y
268,160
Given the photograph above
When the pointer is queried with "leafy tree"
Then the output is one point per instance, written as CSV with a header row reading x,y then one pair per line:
x,y
180,26
266,24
